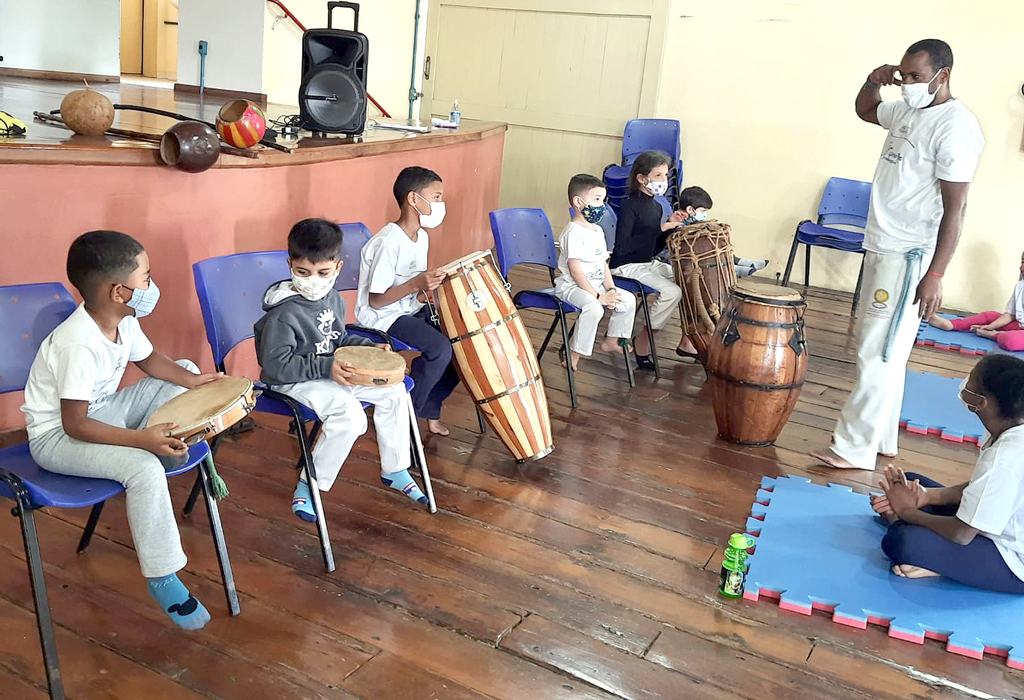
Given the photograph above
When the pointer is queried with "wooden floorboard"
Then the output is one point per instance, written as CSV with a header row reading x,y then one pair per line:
x,y
589,574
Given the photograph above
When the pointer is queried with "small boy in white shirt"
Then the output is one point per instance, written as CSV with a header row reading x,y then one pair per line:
x,y
393,284
585,280
79,424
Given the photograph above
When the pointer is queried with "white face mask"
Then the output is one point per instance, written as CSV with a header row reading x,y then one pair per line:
x,y
657,188
313,288
436,215
916,94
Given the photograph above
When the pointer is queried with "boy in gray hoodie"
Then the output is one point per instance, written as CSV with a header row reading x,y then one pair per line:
x,y
303,325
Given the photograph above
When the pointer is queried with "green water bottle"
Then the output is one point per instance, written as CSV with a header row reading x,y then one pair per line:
x,y
733,575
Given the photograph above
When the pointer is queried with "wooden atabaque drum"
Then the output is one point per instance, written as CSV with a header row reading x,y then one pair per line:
x,y
757,361
494,355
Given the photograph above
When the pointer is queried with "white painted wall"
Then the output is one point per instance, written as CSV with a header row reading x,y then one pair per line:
x,y
69,36
234,31
388,24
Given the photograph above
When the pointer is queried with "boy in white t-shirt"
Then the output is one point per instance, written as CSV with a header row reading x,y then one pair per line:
x,y
974,532
393,284
81,425
585,280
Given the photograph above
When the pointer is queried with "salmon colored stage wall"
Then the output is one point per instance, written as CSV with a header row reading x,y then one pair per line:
x,y
182,218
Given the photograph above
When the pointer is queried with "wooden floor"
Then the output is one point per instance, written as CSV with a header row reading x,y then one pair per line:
x,y
591,574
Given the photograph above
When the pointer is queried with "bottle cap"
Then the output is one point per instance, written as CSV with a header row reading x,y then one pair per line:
x,y
740,541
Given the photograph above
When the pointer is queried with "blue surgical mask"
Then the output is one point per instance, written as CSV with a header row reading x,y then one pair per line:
x,y
700,216
593,213
144,300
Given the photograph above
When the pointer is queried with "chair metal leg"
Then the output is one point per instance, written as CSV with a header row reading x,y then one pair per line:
x,y
856,290
421,459
44,621
481,422
560,317
218,537
650,335
807,265
547,338
192,496
792,259
90,527
314,493
629,367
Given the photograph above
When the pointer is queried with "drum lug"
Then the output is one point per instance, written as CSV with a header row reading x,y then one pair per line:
x,y
797,341
731,333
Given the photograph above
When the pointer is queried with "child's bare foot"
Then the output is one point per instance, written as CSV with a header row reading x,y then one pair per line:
x,y
943,324
686,348
911,571
642,343
612,345
436,427
575,358
831,459
985,333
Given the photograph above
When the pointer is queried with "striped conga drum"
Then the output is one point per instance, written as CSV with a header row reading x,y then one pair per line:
x,y
757,362
494,355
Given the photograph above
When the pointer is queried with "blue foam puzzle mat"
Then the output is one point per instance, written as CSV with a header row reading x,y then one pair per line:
x,y
932,406
964,342
818,547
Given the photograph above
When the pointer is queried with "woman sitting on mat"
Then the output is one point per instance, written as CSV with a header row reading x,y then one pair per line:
x,y
974,532
1006,328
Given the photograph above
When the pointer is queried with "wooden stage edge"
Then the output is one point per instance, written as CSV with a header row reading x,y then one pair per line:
x,y
47,144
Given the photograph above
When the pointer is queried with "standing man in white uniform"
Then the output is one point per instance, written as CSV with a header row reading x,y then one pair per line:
x,y
918,202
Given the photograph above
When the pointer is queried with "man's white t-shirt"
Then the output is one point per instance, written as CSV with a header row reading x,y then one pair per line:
x,y
1015,307
924,146
578,242
993,501
77,362
388,259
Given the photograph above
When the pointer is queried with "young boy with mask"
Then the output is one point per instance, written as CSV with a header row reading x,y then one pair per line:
x,y
694,204
586,282
394,283
303,325
79,424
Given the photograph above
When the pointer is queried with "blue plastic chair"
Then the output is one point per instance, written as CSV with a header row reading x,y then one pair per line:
x,y
844,202
524,237
28,313
642,135
609,223
230,290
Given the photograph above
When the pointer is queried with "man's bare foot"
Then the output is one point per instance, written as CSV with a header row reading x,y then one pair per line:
x,y
612,345
985,333
831,459
436,427
943,324
911,571
686,347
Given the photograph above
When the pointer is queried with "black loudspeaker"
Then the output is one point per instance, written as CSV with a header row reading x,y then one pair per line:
x,y
332,93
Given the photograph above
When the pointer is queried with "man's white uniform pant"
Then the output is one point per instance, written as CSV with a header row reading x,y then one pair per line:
x,y
887,328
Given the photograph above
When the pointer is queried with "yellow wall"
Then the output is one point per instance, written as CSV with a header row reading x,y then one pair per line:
x,y
389,27
764,91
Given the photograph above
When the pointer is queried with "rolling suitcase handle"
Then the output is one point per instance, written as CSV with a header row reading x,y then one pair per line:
x,y
354,6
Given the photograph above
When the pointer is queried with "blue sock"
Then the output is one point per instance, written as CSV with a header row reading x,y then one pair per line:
x,y
184,610
302,503
401,481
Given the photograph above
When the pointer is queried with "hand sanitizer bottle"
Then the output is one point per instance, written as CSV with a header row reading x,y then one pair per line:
x,y
456,116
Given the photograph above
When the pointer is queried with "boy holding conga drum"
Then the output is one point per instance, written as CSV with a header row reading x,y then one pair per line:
x,y
395,284
80,424
303,325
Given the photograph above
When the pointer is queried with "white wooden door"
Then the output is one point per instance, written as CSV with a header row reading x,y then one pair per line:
x,y
565,75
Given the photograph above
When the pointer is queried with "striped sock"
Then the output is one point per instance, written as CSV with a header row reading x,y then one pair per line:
x,y
402,481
